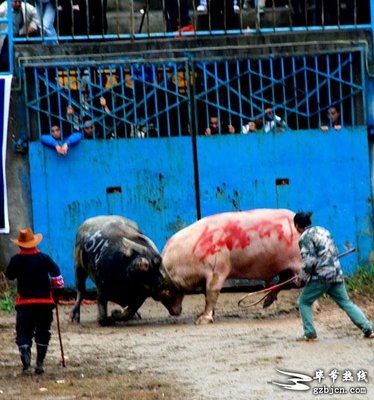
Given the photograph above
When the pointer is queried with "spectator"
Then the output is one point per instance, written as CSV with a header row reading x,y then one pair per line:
x,y
333,120
177,16
113,127
72,17
98,24
72,118
56,141
36,296
322,274
26,22
203,6
273,122
252,126
299,9
216,128
89,129
221,14
47,15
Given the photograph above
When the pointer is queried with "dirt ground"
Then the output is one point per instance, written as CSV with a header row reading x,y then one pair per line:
x,y
163,357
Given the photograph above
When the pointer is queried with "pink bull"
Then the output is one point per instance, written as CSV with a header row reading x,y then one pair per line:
x,y
257,244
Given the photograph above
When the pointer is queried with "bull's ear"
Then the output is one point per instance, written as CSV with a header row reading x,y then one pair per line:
x,y
141,264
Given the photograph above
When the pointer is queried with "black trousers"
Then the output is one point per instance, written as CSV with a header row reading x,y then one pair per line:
x,y
33,321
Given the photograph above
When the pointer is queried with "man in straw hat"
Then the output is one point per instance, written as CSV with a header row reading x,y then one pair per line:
x,y
35,296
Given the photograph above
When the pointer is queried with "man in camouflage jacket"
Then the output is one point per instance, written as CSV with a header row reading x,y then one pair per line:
x,y
322,274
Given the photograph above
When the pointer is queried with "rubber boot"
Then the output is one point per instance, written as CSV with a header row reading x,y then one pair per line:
x,y
41,351
25,353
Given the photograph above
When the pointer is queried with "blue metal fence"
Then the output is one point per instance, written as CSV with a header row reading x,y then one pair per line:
x,y
180,97
77,20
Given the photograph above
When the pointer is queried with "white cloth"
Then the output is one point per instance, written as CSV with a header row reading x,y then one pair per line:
x,y
30,19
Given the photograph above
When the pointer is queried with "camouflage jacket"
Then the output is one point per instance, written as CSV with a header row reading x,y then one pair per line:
x,y
320,256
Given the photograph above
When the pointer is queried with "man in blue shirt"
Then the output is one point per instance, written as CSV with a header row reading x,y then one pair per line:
x,y
57,142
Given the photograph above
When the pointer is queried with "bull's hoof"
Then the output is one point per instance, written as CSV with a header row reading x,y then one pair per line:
x,y
269,299
125,315
105,321
116,315
204,320
75,317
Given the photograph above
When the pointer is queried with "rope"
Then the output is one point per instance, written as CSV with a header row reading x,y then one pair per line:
x,y
266,291
270,289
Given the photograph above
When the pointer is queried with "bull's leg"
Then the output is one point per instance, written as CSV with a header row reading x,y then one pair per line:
x,y
128,312
273,295
213,288
102,309
80,283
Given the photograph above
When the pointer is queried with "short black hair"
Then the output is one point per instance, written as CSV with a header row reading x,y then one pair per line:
x,y
303,219
87,118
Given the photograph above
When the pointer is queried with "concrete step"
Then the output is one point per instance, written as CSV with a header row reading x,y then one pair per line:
x,y
153,21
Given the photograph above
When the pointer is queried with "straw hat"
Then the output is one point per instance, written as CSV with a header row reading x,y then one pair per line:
x,y
27,239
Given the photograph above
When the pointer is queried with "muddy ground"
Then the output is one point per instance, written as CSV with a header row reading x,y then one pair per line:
x,y
162,357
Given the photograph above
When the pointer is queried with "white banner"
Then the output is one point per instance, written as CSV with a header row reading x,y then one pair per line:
x,y
5,88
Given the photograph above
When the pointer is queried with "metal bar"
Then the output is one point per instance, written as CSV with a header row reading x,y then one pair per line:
x,y
240,91
295,85
341,108
307,97
283,88
317,85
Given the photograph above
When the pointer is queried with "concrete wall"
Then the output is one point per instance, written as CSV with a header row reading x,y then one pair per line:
x,y
18,183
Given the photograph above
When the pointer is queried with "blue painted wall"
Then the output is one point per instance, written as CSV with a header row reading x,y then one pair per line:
x,y
155,176
152,182
328,174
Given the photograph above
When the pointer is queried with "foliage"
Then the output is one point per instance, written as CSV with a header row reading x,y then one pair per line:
x,y
362,281
8,301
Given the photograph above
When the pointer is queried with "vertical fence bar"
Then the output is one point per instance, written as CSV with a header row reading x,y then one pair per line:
x,y
284,96
134,99
341,108
144,102
238,74
295,85
37,92
351,81
227,85
306,90
205,88
273,82
218,102
155,75
363,85
250,88
328,79
166,108
316,67
261,86
177,99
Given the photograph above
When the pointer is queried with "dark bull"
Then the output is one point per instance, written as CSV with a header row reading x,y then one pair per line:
x,y
123,263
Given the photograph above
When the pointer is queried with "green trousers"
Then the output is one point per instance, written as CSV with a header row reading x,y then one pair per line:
x,y
337,291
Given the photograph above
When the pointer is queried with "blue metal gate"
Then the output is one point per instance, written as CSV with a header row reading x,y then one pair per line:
x,y
157,167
